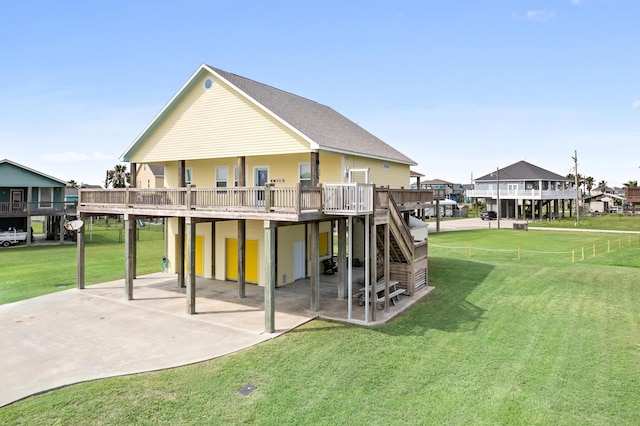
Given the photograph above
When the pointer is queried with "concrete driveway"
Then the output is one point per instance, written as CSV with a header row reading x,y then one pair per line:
x,y
78,335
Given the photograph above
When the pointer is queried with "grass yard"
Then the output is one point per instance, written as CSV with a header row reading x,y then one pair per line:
x,y
538,340
604,221
34,271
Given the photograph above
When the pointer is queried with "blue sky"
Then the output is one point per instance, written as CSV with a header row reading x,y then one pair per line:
x,y
462,87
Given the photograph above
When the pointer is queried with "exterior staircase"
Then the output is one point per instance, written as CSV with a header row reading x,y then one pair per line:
x,y
407,258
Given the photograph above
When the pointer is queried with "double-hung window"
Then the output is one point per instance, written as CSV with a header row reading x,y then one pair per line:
x,y
222,174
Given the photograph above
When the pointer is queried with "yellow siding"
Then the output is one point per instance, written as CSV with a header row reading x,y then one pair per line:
x,y
203,246
145,176
287,236
382,173
217,123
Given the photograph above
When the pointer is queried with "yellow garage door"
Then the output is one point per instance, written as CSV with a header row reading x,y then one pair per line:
x,y
199,254
323,244
251,260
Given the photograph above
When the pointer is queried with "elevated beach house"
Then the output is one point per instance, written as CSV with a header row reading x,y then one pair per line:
x,y
259,182
523,190
26,193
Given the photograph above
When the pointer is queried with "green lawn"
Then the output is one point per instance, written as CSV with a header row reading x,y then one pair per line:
x,y
34,271
538,340
605,221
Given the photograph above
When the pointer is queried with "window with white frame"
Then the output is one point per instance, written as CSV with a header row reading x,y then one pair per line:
x,y
235,175
46,196
222,174
512,187
304,174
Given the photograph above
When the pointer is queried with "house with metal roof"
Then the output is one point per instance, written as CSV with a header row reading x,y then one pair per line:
x,y
524,190
26,193
260,185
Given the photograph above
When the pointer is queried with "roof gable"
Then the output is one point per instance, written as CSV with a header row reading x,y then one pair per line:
x,y
322,127
524,171
16,175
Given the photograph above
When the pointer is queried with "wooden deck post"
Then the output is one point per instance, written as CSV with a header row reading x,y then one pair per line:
x,y
373,268
80,256
242,235
387,271
342,259
191,265
180,259
129,236
315,266
315,168
270,276
133,173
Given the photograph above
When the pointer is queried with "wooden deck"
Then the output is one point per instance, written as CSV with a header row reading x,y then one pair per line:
x,y
295,204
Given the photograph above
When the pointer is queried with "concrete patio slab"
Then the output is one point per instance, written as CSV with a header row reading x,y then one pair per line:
x,y
79,335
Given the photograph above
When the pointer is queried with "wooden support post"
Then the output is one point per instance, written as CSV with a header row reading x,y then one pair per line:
x,y
387,269
180,259
134,249
213,249
373,266
315,168
129,235
80,256
191,266
133,174
267,197
270,276
242,234
342,258
315,266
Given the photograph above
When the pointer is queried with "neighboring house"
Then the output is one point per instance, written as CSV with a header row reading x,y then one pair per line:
x,y
444,190
257,180
26,193
150,176
524,191
633,197
604,203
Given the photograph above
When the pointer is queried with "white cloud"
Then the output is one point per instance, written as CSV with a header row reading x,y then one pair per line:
x,y
577,2
635,104
539,15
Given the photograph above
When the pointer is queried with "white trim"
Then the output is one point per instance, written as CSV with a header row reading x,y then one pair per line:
x,y
300,164
226,175
40,202
255,169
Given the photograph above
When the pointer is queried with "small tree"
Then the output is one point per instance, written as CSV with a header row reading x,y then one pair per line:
x,y
118,177
589,180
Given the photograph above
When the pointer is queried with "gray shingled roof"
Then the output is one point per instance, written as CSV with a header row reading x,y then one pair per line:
x,y
156,170
323,125
524,171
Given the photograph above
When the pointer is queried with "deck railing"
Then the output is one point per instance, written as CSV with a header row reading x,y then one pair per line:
x,y
338,198
348,198
526,194
34,208
268,198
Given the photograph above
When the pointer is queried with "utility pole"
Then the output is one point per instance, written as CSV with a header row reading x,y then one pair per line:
x,y
575,163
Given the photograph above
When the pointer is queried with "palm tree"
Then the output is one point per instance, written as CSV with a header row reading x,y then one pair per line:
x,y
72,184
589,181
602,186
118,177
